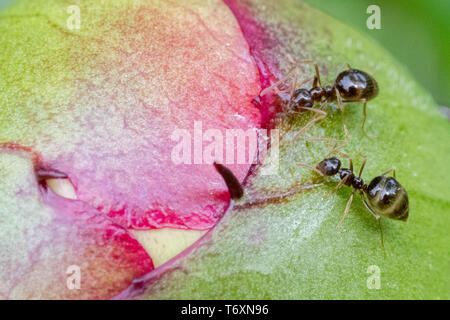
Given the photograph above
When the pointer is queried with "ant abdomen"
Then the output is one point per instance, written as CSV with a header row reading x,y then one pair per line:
x,y
387,197
356,85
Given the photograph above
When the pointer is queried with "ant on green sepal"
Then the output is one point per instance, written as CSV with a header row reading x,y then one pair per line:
x,y
383,196
351,85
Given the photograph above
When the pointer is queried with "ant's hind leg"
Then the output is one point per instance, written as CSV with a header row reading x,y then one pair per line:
x,y
381,236
389,171
377,217
364,102
320,115
347,207
364,119
341,107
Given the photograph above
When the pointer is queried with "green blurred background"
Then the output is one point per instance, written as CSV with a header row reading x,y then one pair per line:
x,y
416,32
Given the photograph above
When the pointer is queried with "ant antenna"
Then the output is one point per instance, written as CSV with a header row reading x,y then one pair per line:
x,y
311,168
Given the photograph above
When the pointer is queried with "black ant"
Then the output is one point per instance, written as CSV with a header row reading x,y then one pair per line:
x,y
383,196
351,85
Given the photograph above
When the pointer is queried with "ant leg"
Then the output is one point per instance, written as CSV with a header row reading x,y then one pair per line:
x,y
290,59
311,168
276,84
316,68
301,83
351,165
381,235
291,95
377,217
315,82
321,115
340,185
336,149
389,171
326,140
368,207
348,66
362,168
340,145
347,207
341,107
364,102
298,84
364,119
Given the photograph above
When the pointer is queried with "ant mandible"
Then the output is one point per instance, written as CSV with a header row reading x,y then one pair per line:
x,y
351,85
383,196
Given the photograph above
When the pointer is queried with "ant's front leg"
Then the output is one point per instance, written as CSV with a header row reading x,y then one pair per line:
x,y
389,171
377,217
364,102
275,85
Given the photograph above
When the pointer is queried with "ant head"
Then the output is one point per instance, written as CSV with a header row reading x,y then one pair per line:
x,y
330,166
302,98
355,85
